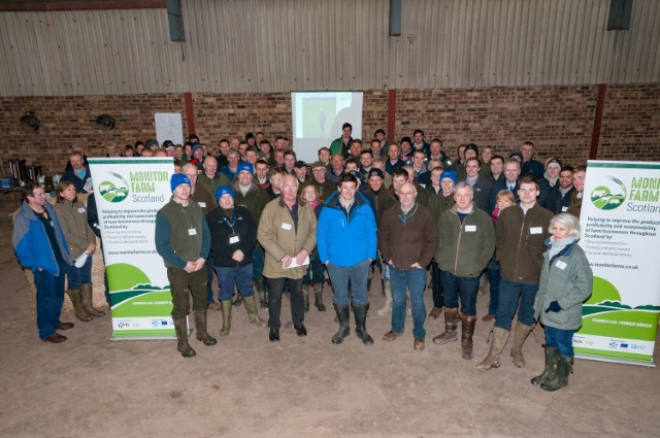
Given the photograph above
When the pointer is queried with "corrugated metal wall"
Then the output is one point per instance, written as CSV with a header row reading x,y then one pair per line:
x,y
283,45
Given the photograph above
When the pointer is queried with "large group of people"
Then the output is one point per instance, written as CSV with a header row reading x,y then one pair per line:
x,y
268,224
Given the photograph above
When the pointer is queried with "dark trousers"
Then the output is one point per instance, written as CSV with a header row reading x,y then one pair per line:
x,y
50,297
180,283
436,285
276,286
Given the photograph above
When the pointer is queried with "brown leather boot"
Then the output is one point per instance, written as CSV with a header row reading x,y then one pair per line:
x,y
451,324
467,330
78,310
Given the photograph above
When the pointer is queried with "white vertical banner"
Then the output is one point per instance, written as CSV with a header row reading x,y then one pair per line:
x,y
620,222
129,192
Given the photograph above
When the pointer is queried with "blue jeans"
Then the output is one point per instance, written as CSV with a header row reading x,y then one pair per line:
x,y
415,281
77,276
356,275
494,280
464,287
50,297
559,339
241,276
258,263
510,294
436,285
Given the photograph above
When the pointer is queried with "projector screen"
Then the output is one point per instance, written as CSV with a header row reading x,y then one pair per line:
x,y
317,119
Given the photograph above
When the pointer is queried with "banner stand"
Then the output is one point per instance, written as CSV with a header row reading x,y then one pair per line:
x,y
128,194
620,221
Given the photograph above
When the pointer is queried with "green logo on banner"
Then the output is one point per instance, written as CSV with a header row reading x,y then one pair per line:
x,y
610,196
114,190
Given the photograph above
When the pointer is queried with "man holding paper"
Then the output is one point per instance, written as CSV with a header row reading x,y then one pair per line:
x,y
347,245
287,231
520,241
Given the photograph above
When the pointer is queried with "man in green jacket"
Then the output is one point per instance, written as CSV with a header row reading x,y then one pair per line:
x,y
210,179
342,144
467,244
183,241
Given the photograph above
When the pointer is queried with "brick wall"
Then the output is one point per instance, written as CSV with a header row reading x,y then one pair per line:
x,y
631,123
559,120
66,121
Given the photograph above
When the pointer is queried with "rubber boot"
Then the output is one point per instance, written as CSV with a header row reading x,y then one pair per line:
x,y
200,327
360,313
387,287
86,294
237,299
78,311
492,360
305,294
550,371
253,313
318,297
451,324
564,365
467,330
342,317
226,317
181,327
519,335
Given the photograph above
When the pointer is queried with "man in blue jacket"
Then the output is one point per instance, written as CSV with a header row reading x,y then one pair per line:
x,y
39,244
346,239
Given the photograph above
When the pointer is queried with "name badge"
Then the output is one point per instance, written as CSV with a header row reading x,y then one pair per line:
x,y
234,239
286,226
81,210
536,230
564,209
192,232
470,228
202,204
560,264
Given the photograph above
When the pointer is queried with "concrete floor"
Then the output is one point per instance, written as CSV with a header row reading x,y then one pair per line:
x,y
245,386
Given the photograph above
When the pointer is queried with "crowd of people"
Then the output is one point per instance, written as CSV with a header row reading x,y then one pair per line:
x,y
268,224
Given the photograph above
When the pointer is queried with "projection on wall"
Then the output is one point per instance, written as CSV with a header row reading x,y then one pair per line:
x,y
317,119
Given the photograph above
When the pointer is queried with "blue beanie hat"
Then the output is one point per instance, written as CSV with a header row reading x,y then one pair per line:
x,y
448,174
178,179
224,190
195,146
248,167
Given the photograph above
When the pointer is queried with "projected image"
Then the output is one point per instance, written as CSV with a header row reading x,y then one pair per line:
x,y
318,114
318,117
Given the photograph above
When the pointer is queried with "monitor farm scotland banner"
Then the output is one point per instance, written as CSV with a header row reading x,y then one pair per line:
x,y
128,194
620,222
